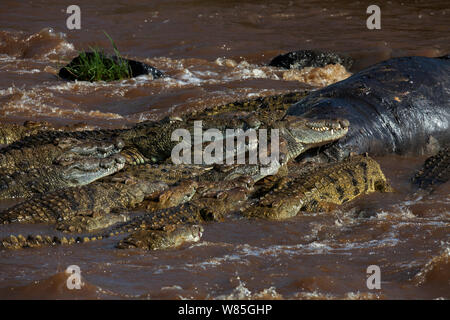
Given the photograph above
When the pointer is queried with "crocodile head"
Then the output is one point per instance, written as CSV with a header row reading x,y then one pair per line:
x,y
171,237
81,171
313,133
187,233
89,148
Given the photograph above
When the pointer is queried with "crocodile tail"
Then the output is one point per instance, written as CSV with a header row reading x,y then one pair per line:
x,y
38,241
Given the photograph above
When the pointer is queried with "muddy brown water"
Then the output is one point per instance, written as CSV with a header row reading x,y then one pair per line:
x,y
214,52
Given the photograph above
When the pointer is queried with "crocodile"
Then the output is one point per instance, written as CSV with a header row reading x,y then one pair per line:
x,y
209,201
162,239
66,162
171,237
60,149
400,105
321,189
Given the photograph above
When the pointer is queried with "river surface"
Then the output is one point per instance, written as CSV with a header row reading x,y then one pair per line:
x,y
216,52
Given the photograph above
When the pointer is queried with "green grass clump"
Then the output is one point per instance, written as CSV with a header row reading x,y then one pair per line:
x,y
97,66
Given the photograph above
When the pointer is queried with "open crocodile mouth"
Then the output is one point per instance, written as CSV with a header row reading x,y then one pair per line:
x,y
327,125
316,132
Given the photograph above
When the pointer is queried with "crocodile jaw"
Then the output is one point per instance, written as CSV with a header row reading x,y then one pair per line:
x,y
85,171
314,133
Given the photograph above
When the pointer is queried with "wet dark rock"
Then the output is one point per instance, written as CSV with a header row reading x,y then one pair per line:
x,y
137,68
310,58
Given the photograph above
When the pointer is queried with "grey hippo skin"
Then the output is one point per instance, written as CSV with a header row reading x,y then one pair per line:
x,y
401,106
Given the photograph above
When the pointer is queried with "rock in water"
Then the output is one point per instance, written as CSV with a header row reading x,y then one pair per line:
x,y
137,68
310,58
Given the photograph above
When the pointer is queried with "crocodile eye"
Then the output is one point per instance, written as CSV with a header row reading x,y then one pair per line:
x,y
65,161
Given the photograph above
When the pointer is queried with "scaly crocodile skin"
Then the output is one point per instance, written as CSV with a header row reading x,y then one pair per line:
x,y
199,201
321,189
435,171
